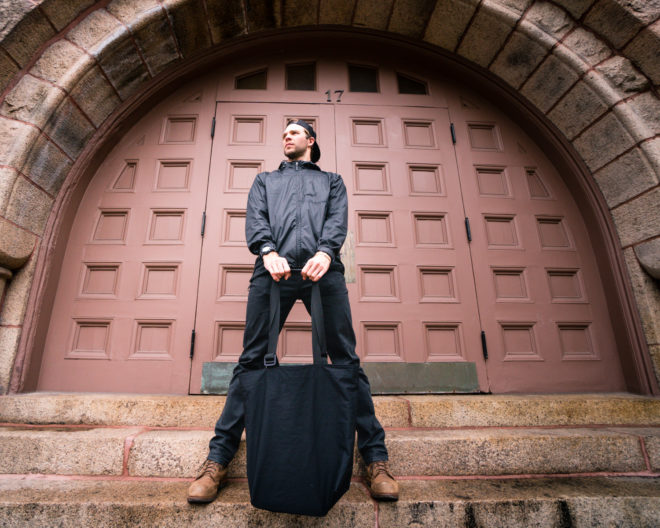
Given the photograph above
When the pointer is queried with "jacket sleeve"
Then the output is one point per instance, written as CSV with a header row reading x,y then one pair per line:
x,y
257,223
336,218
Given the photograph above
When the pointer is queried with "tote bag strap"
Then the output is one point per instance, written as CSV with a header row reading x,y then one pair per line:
x,y
319,346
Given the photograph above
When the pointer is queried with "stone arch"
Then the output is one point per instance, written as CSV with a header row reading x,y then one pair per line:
x,y
70,70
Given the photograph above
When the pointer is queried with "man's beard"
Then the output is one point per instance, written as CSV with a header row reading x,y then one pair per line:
x,y
295,154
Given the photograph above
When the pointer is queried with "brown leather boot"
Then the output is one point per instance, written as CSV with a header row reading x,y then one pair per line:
x,y
381,483
205,488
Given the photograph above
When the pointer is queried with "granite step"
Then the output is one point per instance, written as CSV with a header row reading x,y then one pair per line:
x,y
392,411
542,502
178,453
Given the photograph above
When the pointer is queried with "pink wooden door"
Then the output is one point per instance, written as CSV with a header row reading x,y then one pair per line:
x,y
248,140
124,308
541,299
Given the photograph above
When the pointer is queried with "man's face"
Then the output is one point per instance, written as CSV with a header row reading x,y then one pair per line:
x,y
296,143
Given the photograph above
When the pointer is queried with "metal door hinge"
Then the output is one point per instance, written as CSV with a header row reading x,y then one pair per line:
x,y
192,344
203,223
484,347
467,229
213,127
453,133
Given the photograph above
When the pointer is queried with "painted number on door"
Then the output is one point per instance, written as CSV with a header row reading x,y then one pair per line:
x,y
338,93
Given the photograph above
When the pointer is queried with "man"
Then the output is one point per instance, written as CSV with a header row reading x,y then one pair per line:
x,y
296,220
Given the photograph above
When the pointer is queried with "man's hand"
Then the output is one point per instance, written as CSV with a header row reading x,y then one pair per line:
x,y
277,266
316,267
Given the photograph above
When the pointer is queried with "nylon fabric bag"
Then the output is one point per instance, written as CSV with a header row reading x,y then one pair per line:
x,y
300,423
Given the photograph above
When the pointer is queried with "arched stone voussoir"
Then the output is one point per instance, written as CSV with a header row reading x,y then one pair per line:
x,y
16,140
62,63
190,25
32,101
448,21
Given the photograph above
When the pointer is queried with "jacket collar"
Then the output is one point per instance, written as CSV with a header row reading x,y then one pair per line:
x,y
299,165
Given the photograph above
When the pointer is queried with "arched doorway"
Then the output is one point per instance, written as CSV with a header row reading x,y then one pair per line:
x,y
465,244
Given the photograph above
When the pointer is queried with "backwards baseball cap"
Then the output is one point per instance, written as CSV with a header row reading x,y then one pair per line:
x,y
316,151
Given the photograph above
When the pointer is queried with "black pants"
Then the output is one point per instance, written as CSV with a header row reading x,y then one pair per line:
x,y
341,348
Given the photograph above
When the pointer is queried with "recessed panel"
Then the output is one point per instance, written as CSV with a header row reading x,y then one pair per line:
x,y
111,226
565,285
552,233
248,130
173,176
510,284
166,227
576,341
228,340
152,340
371,178
297,342
374,229
425,179
537,187
90,340
100,279
234,231
179,129
430,229
519,342
159,280
418,134
501,232
378,283
437,284
492,182
443,341
234,282
242,174
126,179
381,340
368,132
484,136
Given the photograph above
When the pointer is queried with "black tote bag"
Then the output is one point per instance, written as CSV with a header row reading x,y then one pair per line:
x,y
299,424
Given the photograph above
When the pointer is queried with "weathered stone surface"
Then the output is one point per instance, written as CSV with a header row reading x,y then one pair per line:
x,y
129,12
511,451
190,26
46,165
645,52
647,107
626,177
518,6
618,23
69,128
11,13
16,139
7,178
577,110
62,12
486,34
27,36
603,141
17,294
557,503
651,149
372,13
122,64
623,76
410,17
575,7
538,410
647,297
637,220
648,254
448,22
16,245
71,504
652,443
157,44
549,83
95,96
518,59
549,18
96,28
299,12
9,337
8,69
654,351
336,11
32,100
587,46
29,206
81,451
226,19
57,61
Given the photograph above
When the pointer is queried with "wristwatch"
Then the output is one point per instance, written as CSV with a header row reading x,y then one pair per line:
x,y
265,250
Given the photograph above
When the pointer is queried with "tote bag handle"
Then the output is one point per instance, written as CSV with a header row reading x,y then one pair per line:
x,y
319,346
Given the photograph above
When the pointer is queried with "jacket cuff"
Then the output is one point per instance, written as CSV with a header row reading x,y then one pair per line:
x,y
328,252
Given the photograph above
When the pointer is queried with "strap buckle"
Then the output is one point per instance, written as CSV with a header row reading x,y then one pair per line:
x,y
268,362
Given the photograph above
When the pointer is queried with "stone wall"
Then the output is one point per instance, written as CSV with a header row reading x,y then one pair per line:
x,y
67,67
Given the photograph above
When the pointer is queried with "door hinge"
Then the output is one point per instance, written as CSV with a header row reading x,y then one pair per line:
x,y
213,127
203,223
467,229
484,347
453,133
192,344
